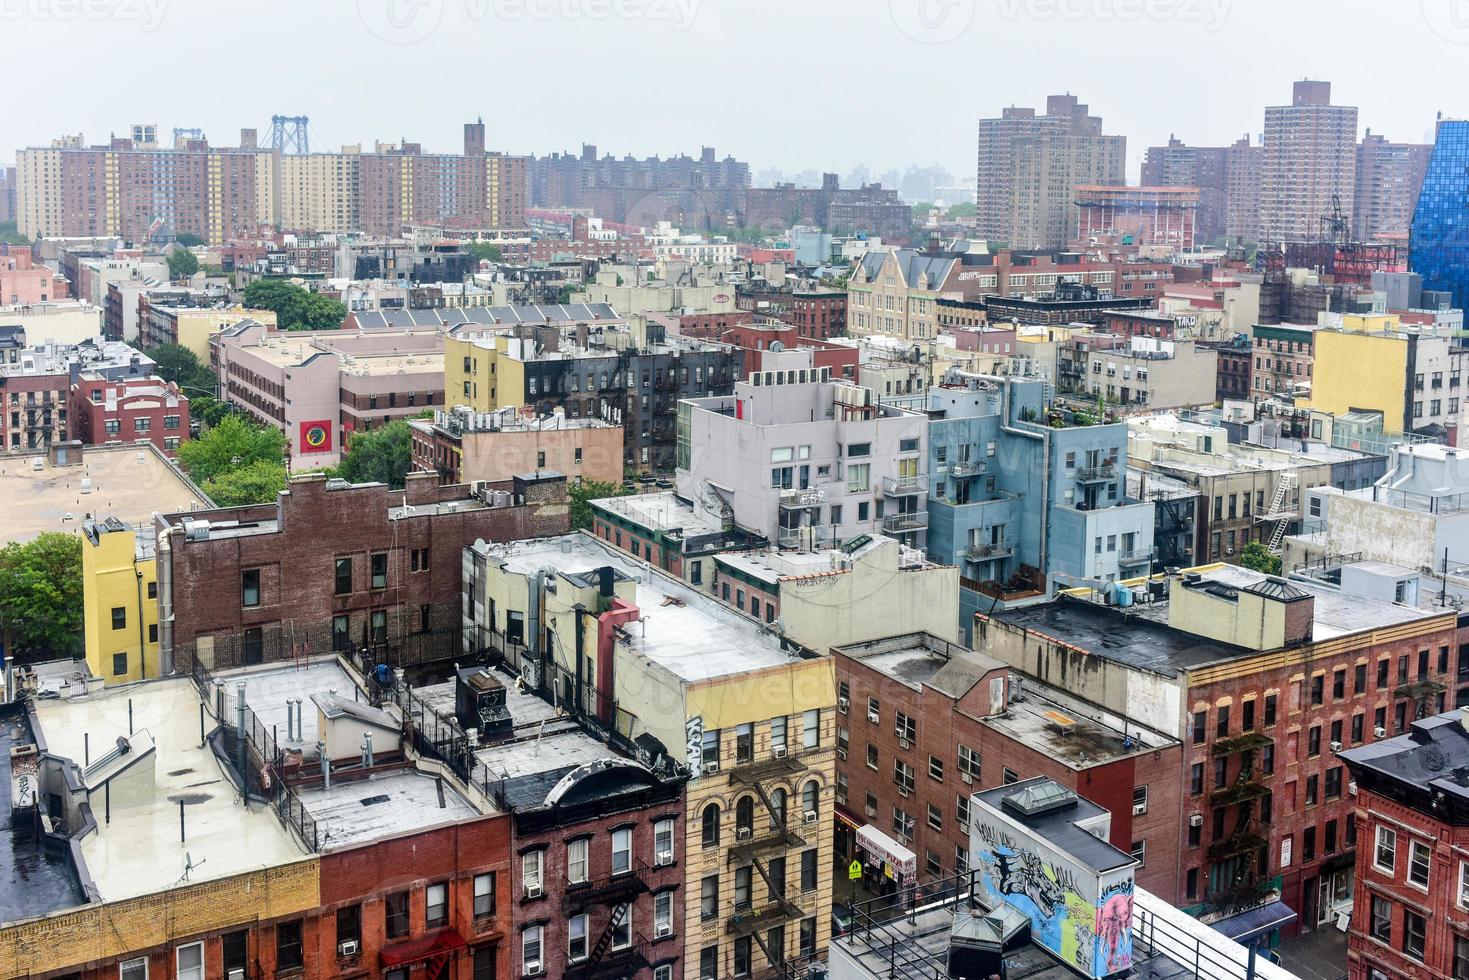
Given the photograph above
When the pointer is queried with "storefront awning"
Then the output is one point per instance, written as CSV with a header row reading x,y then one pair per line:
x,y
1254,923
437,946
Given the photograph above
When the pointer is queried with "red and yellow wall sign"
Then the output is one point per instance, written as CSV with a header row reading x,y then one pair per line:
x,y
316,437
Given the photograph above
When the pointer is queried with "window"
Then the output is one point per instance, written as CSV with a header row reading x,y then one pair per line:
x,y
778,733
1461,945
710,755
133,969
903,777
622,850
743,893
961,809
1139,799
1223,723
395,914
1139,851
663,842
1359,679
530,951
871,756
808,870
1381,919
1318,687
250,587
710,829
1385,854
811,728
742,956
379,621
1313,740
1196,779
236,945
1008,776
380,570
744,742
663,914
969,764
577,869
119,664
1464,884
189,961
343,576
744,816
1199,727
935,818
1418,863
531,863
484,895
576,938
907,728
935,768
349,925
1414,929
288,945
436,904
709,963
808,937
709,897
119,617
1313,793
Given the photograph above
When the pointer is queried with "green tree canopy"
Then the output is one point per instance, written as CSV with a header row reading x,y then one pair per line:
x,y
188,239
486,251
961,210
228,446
295,308
1255,555
253,483
41,593
10,234
582,495
182,263
381,455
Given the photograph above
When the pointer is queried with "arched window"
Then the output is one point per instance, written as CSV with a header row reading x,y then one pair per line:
x,y
711,825
778,808
745,814
810,796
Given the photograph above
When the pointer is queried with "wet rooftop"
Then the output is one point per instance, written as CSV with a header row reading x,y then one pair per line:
x,y
36,880
400,802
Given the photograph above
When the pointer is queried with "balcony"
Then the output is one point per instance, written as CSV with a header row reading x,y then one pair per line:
x,y
628,961
1239,792
747,922
988,552
1134,557
904,486
801,499
901,523
966,468
614,889
1102,473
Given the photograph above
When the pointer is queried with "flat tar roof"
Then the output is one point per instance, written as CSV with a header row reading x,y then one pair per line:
x,y
661,511
128,482
137,851
399,802
34,879
267,689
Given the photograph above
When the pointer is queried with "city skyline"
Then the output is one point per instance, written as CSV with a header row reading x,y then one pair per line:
x,y
287,73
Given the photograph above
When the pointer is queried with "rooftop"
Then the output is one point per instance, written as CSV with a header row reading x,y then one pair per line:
x,y
137,851
1336,613
486,316
37,879
1432,757
1058,825
682,630
381,805
128,481
269,687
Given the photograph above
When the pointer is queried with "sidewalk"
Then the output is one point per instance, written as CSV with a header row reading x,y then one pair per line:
x,y
1319,955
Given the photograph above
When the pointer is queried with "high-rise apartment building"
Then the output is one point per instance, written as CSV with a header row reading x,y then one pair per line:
x,y
1389,179
1228,179
1310,162
136,190
1244,173
1028,166
1438,248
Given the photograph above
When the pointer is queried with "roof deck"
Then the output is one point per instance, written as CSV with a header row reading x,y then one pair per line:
x,y
269,688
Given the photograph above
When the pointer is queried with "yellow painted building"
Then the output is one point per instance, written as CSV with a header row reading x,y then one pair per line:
x,y
120,601
1357,370
479,373
195,327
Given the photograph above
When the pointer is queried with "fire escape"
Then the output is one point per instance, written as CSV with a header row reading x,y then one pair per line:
x,y
1423,693
1243,847
616,892
754,848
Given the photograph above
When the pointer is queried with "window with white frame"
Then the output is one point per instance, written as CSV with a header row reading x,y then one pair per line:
x,y
622,850
663,842
576,938
436,904
664,972
531,863
622,931
484,895
778,732
531,963
133,969
189,961
811,728
1418,863
1385,854
663,914
577,869
1464,884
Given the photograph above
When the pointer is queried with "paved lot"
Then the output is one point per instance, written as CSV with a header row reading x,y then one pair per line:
x,y
1319,955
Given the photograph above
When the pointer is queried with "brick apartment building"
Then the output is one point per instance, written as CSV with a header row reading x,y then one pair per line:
x,y
127,410
1234,379
333,566
1267,812
754,337
1412,867
819,314
922,725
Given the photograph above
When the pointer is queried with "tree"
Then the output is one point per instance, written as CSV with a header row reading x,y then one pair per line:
x,y
41,593
188,239
10,234
207,410
381,455
294,307
486,252
182,263
582,494
255,483
961,210
230,445
1256,556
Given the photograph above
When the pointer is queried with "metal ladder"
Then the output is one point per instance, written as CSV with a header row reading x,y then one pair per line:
x,y
604,941
1286,484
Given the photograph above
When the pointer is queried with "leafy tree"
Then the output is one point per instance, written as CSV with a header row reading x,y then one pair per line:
x,y
182,263
230,445
188,239
381,455
295,308
920,212
207,410
1258,557
581,497
255,483
486,252
961,210
10,234
41,593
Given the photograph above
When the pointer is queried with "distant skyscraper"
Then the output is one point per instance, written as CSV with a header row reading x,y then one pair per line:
x,y
1438,243
1228,179
1310,162
1244,169
1389,178
1030,165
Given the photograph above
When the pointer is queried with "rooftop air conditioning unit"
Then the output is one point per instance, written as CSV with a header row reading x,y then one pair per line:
x,y
1196,820
348,947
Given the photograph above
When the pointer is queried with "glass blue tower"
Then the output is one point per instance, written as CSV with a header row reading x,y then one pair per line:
x,y
1438,242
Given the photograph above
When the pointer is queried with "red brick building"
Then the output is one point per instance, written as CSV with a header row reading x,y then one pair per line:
x,y
1233,379
819,314
923,724
754,336
129,410
1141,323
335,566
1412,866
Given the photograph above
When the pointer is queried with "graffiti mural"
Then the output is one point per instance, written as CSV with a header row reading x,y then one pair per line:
x,y
1114,927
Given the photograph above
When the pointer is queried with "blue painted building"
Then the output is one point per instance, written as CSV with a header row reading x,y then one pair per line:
x,y
1438,239
1022,508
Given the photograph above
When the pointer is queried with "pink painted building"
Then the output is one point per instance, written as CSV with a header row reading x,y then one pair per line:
x,y
24,283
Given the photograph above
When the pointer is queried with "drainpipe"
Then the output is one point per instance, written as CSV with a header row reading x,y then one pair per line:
x,y
142,630
580,611
326,765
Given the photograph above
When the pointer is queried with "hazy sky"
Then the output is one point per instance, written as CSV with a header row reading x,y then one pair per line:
x,y
795,84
